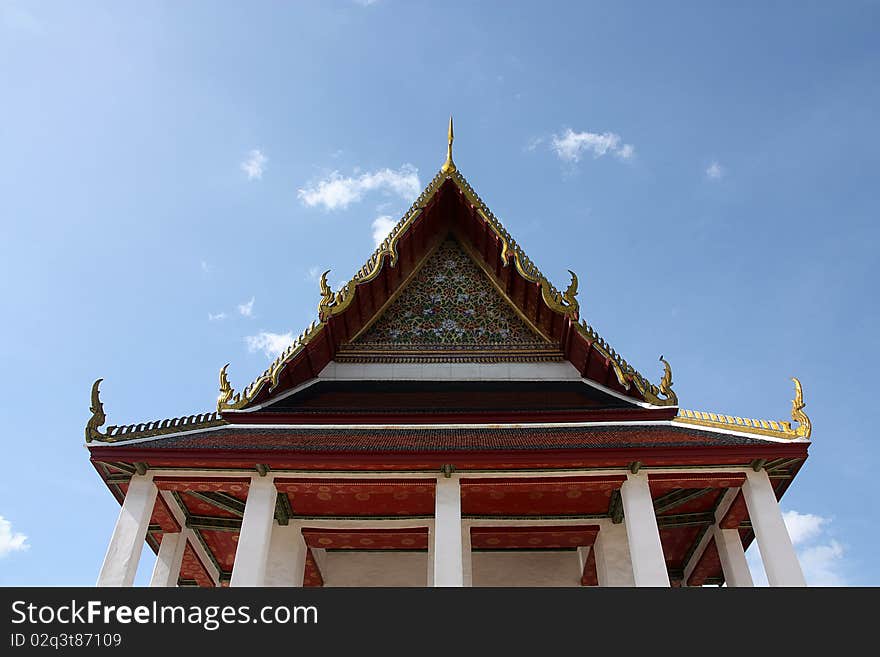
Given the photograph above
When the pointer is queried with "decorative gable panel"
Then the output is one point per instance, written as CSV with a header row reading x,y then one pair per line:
x,y
449,310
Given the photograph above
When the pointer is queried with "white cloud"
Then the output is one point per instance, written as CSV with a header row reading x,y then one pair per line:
x,y
821,557
271,344
247,309
216,318
254,165
11,541
803,526
206,268
714,171
625,152
571,145
338,192
381,227
365,3
821,564
533,143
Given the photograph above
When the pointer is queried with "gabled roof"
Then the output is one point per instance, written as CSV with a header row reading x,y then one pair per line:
x,y
447,206
342,313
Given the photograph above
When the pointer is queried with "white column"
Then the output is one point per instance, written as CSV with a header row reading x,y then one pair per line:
x,y
777,552
167,568
431,535
467,555
286,562
613,564
733,557
188,534
646,551
583,553
249,568
124,551
320,557
448,564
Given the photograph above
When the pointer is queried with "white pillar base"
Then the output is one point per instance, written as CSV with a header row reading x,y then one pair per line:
x,y
167,569
733,557
613,563
646,551
777,552
447,539
124,552
249,568
286,562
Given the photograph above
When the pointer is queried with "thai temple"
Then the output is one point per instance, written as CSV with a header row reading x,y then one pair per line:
x,y
450,419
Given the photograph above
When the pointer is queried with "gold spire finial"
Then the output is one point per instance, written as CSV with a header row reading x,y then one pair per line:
x,y
449,165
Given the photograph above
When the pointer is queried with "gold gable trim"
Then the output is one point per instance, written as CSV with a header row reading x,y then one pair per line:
x,y
116,433
773,428
334,303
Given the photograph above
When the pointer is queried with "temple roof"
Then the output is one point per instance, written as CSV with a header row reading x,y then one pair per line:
x,y
449,283
448,205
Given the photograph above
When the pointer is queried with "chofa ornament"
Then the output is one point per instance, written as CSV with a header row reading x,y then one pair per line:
x,y
805,427
773,428
116,433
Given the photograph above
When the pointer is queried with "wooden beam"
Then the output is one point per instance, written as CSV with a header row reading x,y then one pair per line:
x,y
214,524
685,520
615,507
122,467
693,548
282,509
677,498
780,464
220,500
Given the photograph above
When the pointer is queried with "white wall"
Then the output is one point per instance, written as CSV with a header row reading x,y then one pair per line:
x,y
526,568
490,569
375,569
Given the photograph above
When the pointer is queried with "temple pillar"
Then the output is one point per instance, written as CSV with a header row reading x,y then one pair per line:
x,y
777,552
646,551
447,534
124,552
249,568
286,561
467,556
583,554
613,564
167,568
733,557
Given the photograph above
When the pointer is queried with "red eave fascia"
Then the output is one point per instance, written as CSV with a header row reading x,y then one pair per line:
x,y
741,455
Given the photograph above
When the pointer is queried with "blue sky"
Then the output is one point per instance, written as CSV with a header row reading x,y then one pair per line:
x,y
174,175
